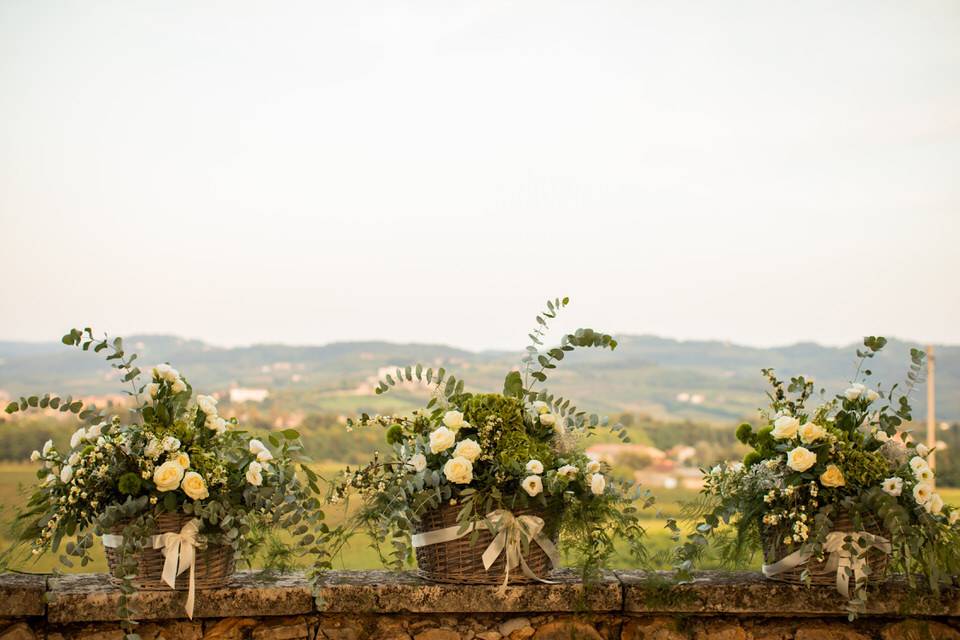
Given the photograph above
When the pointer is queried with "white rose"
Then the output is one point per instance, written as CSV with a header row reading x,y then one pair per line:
x,y
178,386
66,474
94,431
170,444
541,407
922,450
535,467
568,471
167,476
35,456
811,432
881,435
785,427
597,484
254,475
893,486
47,447
453,420
418,461
934,505
924,475
264,456
255,446
468,448
872,395
153,390
917,463
922,492
533,485
441,439
854,391
801,459
548,419
160,371
153,449
593,466
458,470
194,486
78,436
73,459
207,404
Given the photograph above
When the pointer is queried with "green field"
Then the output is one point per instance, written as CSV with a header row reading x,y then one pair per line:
x,y
15,479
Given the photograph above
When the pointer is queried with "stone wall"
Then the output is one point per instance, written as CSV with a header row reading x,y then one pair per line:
x,y
373,604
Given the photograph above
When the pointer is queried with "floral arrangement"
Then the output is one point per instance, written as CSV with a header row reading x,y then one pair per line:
x,y
846,456
176,455
491,456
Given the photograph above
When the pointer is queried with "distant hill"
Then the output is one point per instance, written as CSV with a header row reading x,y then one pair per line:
x,y
701,380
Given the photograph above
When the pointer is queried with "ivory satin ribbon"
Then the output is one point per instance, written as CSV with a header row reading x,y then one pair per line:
x,y
841,559
509,531
179,552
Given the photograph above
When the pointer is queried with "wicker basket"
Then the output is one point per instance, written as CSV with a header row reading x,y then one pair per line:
x,y
774,550
213,566
460,562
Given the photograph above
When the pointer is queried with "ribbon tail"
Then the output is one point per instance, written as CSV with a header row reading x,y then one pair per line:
x,y
191,592
170,565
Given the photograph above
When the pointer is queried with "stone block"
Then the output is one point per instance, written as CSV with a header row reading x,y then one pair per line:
x,y
281,629
22,595
567,630
18,631
919,630
658,628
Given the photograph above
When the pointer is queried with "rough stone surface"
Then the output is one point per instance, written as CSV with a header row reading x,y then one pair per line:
x,y
660,628
720,630
919,630
437,634
746,592
18,631
814,631
281,629
229,629
567,630
21,595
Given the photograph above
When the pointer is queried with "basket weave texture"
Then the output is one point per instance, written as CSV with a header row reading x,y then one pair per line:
x,y
774,550
213,566
460,562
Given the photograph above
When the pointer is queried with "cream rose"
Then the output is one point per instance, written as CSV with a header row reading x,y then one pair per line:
x,y
207,404
458,470
811,432
153,390
922,492
541,407
923,450
94,431
47,447
254,473
568,471
468,449
893,486
533,485
832,477
194,485
182,459
78,436
917,463
593,466
153,449
170,444
35,456
167,476
441,439
924,475
535,467
66,474
785,427
178,386
597,484
801,459
934,504
548,419
881,435
453,420
872,395
418,461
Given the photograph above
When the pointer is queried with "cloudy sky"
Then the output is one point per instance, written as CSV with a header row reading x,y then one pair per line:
x,y
304,172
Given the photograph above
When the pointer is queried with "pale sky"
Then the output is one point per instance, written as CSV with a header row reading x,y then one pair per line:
x,y
306,172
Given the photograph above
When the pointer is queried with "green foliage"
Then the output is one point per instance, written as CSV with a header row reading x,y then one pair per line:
x,y
129,484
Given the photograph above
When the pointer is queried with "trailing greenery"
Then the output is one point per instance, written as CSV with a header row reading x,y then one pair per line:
x,y
846,456
174,454
515,450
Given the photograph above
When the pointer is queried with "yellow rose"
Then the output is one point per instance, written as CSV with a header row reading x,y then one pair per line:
x,y
811,432
801,459
194,485
167,476
183,460
832,477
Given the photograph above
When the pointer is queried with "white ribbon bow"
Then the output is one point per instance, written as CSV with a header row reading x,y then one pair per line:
x,y
179,552
845,560
509,532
